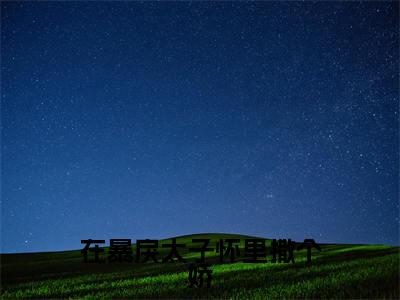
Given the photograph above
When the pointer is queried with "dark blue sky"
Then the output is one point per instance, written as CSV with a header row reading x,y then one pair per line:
x,y
131,120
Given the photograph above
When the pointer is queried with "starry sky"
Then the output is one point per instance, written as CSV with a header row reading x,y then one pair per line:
x,y
151,120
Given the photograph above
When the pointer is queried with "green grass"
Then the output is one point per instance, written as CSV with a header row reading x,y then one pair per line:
x,y
339,271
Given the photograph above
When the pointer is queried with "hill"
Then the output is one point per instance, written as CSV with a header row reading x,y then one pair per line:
x,y
338,271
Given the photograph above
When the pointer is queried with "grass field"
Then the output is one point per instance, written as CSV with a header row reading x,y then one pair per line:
x,y
339,271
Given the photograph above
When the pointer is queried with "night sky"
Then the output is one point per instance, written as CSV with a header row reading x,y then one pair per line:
x,y
132,120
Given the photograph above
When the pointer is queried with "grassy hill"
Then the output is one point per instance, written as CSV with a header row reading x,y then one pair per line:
x,y
338,271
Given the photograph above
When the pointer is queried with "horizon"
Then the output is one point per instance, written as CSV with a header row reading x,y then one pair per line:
x,y
194,234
